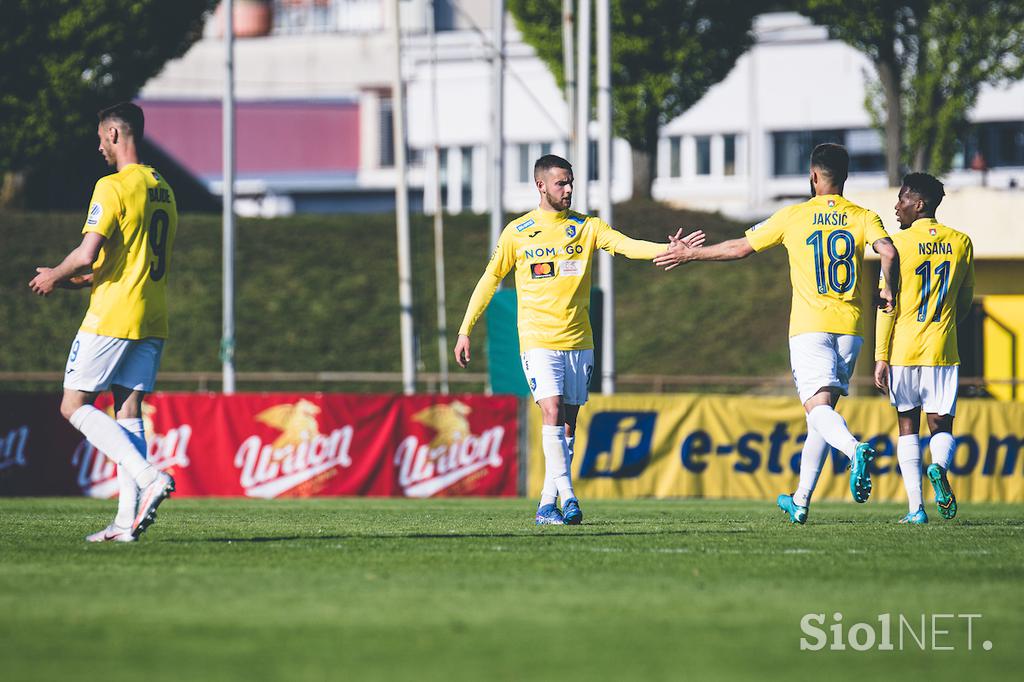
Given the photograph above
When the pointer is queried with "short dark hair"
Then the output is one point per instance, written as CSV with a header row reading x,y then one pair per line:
x,y
128,114
927,187
549,161
833,160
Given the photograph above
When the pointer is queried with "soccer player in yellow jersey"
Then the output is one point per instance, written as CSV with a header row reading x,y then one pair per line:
x,y
825,238
916,358
124,256
551,249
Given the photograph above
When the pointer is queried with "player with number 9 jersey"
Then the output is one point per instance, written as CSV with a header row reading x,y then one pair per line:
x,y
135,210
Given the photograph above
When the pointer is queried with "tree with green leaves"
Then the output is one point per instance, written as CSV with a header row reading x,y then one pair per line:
x,y
665,56
931,59
63,60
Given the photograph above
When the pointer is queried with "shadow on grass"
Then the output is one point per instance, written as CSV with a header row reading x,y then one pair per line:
x,y
457,536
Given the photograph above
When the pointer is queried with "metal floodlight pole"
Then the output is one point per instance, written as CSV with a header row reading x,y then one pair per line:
x,y
581,195
497,122
604,175
227,341
402,211
442,313
569,67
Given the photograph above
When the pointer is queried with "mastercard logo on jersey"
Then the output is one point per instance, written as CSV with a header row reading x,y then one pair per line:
x,y
542,270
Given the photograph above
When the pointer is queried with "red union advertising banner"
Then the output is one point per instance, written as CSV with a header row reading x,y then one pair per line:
x,y
277,445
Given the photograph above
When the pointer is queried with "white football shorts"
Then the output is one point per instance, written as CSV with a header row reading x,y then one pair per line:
x,y
96,362
559,372
823,360
931,388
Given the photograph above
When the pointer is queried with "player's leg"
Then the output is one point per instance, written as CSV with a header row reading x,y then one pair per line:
x,y
133,379
812,459
128,411
939,388
908,453
579,370
544,370
92,363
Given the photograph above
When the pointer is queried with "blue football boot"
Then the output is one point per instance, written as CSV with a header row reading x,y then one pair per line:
x,y
797,514
916,517
860,477
572,513
548,515
944,497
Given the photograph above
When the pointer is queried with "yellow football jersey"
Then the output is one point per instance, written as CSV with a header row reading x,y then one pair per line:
x,y
135,210
552,254
936,265
825,238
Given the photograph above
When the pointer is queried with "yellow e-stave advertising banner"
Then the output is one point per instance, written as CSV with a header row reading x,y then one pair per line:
x,y
741,447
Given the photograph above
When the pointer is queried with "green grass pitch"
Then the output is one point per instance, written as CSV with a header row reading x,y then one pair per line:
x,y
372,589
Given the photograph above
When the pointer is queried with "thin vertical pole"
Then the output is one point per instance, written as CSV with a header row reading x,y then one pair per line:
x,y
569,67
442,312
227,341
604,175
581,163
402,211
497,122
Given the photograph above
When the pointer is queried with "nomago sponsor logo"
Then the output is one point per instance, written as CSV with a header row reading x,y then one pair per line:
x,y
12,448
97,473
894,632
425,469
299,454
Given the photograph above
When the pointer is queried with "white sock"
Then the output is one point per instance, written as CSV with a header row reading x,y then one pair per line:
x,y
570,442
128,495
943,446
812,458
908,452
553,438
832,427
111,439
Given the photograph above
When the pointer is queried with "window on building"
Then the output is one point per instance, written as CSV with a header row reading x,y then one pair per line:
x,y
703,155
545,148
792,149
467,177
675,157
525,163
729,145
592,157
442,162
867,153
999,143
387,133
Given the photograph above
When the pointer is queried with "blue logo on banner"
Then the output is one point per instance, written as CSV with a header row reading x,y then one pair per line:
x,y
618,444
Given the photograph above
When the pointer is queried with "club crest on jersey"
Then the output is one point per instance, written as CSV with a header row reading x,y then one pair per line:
x,y
570,231
522,226
542,270
831,203
932,231
95,213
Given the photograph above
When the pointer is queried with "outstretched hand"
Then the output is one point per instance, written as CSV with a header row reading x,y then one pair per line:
x,y
44,282
680,249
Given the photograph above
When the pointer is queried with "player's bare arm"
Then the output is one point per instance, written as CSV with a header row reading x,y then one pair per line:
x,y
890,270
78,262
680,252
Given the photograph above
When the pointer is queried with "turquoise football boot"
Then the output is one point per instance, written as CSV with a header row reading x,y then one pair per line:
x,y
572,512
944,497
548,515
860,477
797,514
918,517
